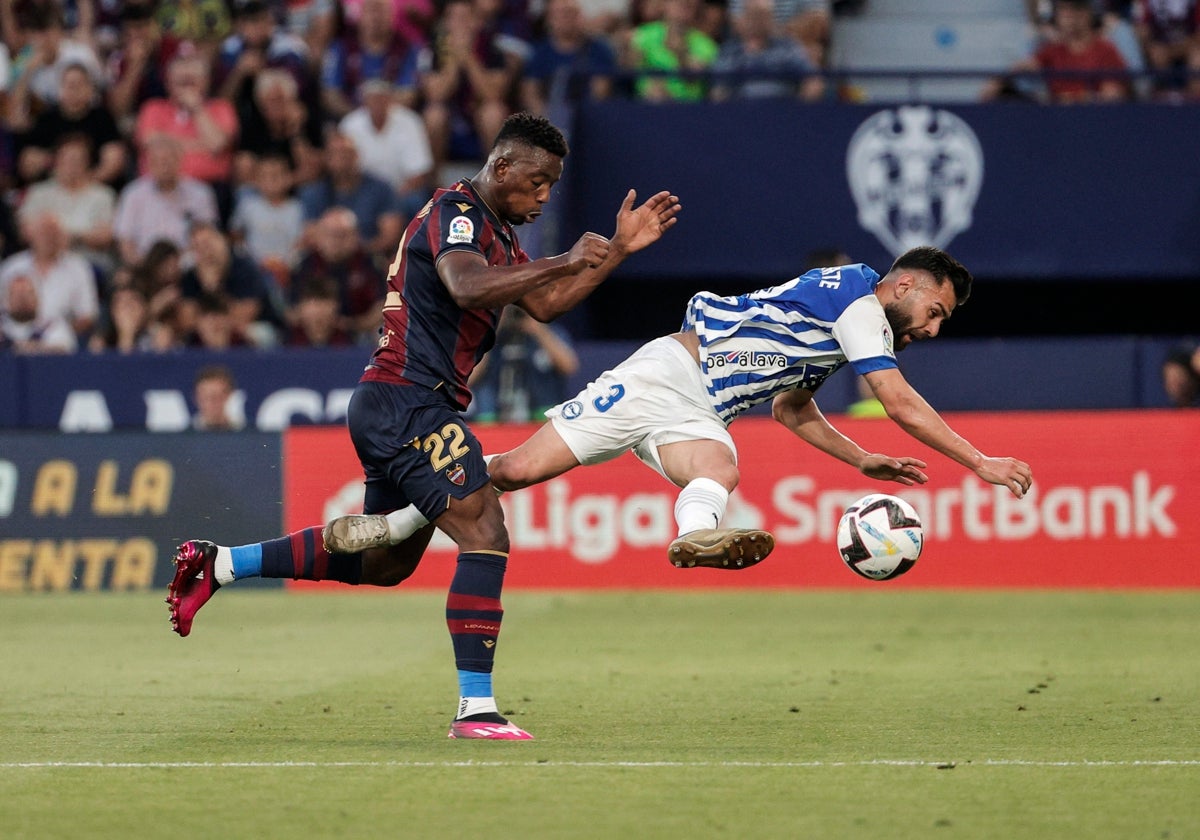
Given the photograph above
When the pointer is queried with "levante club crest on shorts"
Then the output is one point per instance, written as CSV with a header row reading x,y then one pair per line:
x,y
915,173
457,475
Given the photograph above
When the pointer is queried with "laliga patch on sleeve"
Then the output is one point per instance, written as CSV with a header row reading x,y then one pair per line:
x,y
887,339
462,231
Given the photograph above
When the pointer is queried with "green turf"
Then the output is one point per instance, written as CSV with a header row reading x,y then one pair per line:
x,y
872,714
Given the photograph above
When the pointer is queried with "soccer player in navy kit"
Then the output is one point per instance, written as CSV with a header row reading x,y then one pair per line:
x,y
458,264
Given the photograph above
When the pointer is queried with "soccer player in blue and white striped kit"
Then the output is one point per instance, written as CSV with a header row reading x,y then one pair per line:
x,y
672,401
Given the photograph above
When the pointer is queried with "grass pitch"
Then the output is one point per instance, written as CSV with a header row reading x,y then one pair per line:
x,y
873,714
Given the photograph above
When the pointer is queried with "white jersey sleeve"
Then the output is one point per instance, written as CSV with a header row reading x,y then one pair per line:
x,y
863,333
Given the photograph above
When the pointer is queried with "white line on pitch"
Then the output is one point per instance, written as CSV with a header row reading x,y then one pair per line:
x,y
883,762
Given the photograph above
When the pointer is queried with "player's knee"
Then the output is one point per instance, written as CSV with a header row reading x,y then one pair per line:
x,y
726,475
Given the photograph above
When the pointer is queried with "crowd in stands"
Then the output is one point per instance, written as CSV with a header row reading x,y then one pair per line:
x,y
223,173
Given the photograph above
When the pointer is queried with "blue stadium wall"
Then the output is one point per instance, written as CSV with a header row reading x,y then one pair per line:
x,y
89,393
1075,192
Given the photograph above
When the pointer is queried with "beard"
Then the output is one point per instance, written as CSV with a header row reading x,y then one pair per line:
x,y
901,322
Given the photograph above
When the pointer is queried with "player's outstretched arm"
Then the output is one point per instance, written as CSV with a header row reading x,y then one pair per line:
x,y
637,228
797,411
913,414
476,285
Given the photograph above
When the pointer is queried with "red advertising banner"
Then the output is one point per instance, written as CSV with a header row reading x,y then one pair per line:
x,y
1115,503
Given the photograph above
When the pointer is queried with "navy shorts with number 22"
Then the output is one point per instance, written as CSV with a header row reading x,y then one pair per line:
x,y
414,448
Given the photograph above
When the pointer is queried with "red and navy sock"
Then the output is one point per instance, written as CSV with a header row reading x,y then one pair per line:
x,y
302,556
473,615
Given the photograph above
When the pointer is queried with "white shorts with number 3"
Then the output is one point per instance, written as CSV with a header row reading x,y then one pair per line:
x,y
653,398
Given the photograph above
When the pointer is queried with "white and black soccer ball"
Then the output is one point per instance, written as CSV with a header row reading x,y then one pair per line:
x,y
880,537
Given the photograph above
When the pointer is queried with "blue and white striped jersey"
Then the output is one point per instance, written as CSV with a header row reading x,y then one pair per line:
x,y
794,335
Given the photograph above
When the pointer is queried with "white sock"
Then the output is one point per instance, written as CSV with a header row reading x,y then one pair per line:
x,y
223,565
468,706
405,522
700,505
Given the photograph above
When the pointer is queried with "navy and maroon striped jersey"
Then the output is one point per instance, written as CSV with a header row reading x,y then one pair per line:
x,y
427,338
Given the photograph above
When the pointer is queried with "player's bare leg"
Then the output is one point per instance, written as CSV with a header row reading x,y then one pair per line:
x,y
543,457
707,472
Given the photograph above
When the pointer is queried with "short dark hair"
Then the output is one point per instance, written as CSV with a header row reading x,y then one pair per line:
x,y
941,265
532,130
71,137
217,372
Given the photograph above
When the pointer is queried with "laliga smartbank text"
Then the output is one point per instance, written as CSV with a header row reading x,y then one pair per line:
x,y
596,526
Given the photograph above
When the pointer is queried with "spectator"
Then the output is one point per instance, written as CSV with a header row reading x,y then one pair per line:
x,y
83,206
127,323
1169,34
258,45
220,274
526,372
66,284
411,19
159,277
761,60
1078,48
40,65
313,21
255,46
78,111
277,123
219,405
370,50
505,23
162,204
206,128
465,81
316,319
268,220
568,64
1181,374
137,68
338,255
807,21
24,328
392,145
673,43
1116,24
713,19
214,325
375,205
205,23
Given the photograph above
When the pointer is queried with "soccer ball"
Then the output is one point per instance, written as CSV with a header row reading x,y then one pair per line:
x,y
880,537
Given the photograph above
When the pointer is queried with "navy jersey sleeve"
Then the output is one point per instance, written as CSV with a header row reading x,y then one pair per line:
x,y
458,225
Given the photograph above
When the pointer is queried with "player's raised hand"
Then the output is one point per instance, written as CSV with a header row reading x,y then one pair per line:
x,y
641,227
1008,472
588,252
905,471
